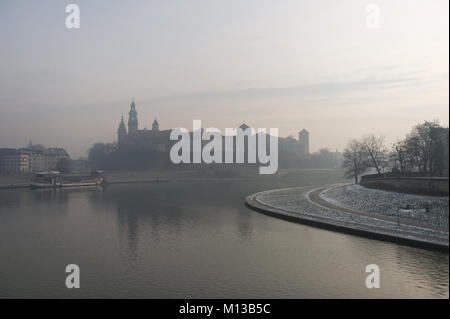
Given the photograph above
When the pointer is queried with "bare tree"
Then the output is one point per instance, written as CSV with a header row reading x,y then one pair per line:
x,y
400,156
376,150
423,151
356,161
425,147
414,152
440,146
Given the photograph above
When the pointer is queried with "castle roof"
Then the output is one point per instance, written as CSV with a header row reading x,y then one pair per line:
x,y
244,126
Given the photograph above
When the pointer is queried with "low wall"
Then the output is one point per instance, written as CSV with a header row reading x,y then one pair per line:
x,y
413,185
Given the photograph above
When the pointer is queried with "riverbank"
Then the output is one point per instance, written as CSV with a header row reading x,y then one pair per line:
x,y
427,210
307,205
15,181
190,175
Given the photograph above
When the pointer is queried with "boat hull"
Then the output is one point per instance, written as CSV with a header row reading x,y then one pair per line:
x,y
58,185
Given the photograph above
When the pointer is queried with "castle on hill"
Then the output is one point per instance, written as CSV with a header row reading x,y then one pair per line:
x,y
159,140
155,138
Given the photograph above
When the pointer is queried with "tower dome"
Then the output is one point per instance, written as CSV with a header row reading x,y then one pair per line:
x,y
132,119
155,125
122,131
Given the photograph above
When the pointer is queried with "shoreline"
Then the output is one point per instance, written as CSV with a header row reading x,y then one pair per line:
x,y
151,181
146,177
14,186
276,203
315,197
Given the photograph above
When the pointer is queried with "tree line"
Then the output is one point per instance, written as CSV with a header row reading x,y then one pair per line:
x,y
140,157
423,152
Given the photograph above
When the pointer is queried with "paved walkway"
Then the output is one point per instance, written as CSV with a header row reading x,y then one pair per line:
x,y
304,205
314,197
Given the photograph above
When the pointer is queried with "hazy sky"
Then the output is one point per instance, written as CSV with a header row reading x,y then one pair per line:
x,y
289,64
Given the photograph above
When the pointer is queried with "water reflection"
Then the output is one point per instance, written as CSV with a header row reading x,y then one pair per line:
x,y
244,225
427,268
128,227
194,239
174,207
51,200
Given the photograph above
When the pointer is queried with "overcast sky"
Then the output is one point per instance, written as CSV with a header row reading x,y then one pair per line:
x,y
289,64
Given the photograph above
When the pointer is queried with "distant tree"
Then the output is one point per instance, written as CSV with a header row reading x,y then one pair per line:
x,y
424,147
424,151
98,155
399,156
129,157
439,152
63,165
325,159
376,150
355,161
413,152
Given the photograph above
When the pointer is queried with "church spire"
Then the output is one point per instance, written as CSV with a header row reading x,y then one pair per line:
x,y
155,125
122,131
132,119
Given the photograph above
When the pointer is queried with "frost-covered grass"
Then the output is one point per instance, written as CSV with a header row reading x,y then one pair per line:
x,y
294,202
423,209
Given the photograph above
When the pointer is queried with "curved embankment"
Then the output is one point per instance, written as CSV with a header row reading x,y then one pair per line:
x,y
305,205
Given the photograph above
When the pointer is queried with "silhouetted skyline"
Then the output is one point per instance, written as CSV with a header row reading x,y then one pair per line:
x,y
290,65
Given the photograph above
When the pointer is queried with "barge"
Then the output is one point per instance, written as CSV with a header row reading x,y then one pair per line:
x,y
55,179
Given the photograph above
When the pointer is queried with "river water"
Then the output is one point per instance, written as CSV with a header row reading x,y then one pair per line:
x,y
194,240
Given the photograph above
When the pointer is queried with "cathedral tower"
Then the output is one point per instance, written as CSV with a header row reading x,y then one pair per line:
x,y
303,142
121,132
155,126
132,119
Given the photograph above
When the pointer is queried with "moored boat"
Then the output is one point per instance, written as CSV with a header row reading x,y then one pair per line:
x,y
54,179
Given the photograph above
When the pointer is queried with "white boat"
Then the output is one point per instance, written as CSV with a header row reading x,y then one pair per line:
x,y
55,179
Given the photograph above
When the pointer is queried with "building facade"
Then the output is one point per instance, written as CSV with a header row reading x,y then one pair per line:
x,y
26,160
133,138
14,161
156,139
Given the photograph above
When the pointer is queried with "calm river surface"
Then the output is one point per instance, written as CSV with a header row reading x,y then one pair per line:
x,y
194,240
